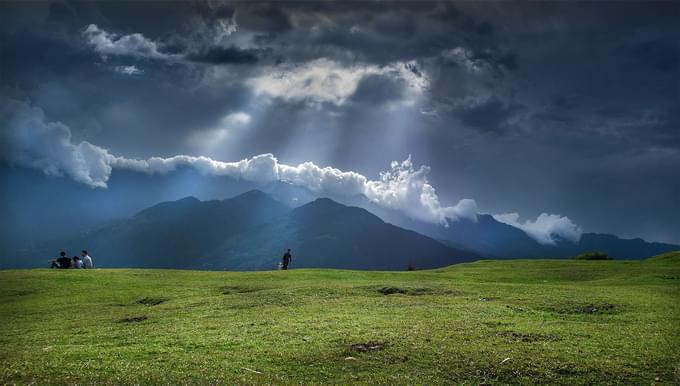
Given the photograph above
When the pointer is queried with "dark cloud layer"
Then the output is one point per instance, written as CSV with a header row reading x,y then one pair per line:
x,y
224,55
562,107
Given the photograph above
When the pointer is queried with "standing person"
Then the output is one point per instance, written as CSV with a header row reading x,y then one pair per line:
x,y
77,263
87,260
287,258
64,261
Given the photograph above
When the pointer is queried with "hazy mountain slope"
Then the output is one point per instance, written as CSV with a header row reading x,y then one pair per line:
x,y
623,248
178,234
327,234
494,239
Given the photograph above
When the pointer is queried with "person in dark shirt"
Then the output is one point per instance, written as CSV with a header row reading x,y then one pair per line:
x,y
64,261
287,257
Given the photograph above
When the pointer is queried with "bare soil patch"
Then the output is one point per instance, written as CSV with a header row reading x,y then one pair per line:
x,y
583,308
151,301
226,290
134,319
527,337
367,347
405,291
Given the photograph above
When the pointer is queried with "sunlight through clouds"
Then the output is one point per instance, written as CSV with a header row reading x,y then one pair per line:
x,y
208,140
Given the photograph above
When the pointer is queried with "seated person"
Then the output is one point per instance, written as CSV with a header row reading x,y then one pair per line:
x,y
87,260
77,263
64,261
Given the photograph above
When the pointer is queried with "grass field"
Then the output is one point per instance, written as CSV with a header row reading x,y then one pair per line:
x,y
489,322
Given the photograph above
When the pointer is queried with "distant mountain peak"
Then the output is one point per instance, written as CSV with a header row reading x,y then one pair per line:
x,y
329,208
326,201
253,193
188,199
326,204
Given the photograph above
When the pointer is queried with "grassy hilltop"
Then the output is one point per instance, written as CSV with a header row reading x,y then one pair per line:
x,y
494,322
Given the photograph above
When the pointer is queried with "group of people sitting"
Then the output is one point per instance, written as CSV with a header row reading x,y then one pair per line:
x,y
65,262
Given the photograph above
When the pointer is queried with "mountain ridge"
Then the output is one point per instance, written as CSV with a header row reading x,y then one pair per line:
x,y
251,230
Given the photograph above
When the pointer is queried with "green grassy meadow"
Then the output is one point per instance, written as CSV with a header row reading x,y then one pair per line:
x,y
488,322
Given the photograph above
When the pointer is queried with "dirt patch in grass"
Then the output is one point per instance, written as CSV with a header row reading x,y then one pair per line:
x,y
366,347
18,293
233,289
151,301
487,299
134,319
495,324
514,308
527,337
405,291
583,308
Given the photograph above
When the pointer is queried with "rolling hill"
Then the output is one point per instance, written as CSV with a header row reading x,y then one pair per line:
x,y
516,322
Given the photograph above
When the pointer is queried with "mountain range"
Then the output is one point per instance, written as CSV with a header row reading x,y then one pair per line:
x,y
252,231
494,239
122,228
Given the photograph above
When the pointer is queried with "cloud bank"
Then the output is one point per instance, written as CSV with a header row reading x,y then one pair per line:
x,y
546,229
28,139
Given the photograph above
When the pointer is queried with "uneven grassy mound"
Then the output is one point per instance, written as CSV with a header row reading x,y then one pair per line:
x,y
675,255
489,322
596,255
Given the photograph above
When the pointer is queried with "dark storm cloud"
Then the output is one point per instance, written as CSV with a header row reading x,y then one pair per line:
x,y
225,55
582,94
660,53
491,115
267,18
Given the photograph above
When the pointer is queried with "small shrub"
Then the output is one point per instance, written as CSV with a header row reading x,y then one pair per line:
x,y
595,255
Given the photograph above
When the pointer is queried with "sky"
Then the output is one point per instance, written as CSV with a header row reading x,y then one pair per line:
x,y
553,116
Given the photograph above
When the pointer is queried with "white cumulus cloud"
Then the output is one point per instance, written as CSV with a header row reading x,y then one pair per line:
x,y
111,44
327,81
128,70
545,228
28,139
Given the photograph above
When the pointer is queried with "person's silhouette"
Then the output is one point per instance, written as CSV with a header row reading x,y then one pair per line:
x,y
287,258
64,261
